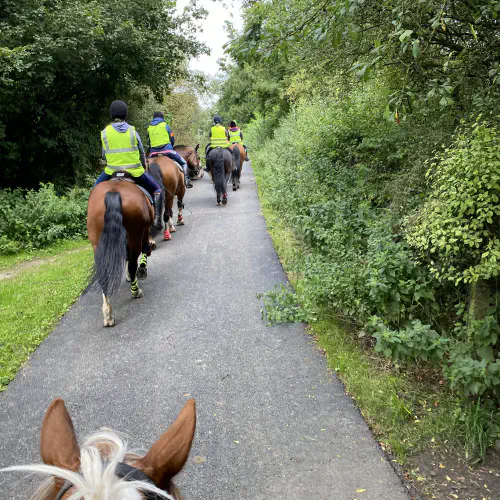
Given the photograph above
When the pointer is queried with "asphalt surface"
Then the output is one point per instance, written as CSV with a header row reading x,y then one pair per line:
x,y
273,423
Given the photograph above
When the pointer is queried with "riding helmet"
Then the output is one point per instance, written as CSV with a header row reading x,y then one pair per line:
x,y
158,114
217,119
118,109
232,124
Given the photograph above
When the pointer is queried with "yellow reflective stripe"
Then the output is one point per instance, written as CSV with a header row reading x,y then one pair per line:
x,y
123,167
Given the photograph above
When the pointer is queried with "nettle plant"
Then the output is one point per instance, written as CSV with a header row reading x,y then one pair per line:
x,y
457,229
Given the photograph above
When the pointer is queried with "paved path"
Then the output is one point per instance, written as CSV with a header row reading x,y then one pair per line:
x,y
273,423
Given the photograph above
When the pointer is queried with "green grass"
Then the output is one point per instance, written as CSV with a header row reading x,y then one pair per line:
x,y
408,410
11,260
34,299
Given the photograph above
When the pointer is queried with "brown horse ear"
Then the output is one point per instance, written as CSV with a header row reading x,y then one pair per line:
x,y
196,148
58,444
169,454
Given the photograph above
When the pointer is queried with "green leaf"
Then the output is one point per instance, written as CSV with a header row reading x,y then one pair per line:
x,y
416,50
406,35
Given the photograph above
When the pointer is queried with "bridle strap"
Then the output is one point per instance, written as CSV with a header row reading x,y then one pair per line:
x,y
126,472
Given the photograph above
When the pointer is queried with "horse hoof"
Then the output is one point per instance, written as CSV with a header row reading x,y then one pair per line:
x,y
173,230
234,188
167,236
153,245
137,294
109,322
180,221
142,273
224,201
218,203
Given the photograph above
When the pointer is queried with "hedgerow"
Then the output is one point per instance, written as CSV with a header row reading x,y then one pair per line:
x,y
34,219
353,186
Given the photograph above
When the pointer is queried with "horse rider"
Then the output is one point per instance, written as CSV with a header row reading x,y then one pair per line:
x,y
219,138
122,149
236,136
161,140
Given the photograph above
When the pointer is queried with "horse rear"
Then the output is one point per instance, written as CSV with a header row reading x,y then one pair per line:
x,y
221,167
118,221
172,178
239,155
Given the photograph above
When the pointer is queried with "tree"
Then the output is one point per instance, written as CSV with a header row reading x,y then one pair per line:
x,y
61,64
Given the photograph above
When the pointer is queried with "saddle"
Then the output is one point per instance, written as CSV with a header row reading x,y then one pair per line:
x,y
124,176
156,154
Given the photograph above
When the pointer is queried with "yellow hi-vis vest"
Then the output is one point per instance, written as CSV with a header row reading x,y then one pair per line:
x,y
218,138
122,151
158,135
235,136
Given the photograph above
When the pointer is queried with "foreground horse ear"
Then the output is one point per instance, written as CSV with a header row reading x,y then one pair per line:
x,y
169,454
196,148
58,444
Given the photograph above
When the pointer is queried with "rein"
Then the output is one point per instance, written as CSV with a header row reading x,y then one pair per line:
x,y
123,471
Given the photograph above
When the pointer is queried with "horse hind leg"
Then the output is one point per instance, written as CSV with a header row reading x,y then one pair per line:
x,y
107,312
142,270
167,217
180,218
132,268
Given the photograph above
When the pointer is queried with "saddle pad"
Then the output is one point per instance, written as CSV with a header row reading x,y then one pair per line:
x,y
155,155
146,192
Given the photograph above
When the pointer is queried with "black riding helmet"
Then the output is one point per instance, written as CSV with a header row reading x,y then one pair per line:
x,y
118,109
232,124
158,114
217,119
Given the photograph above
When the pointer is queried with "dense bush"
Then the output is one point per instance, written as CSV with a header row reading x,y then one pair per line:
x,y
350,184
456,229
34,219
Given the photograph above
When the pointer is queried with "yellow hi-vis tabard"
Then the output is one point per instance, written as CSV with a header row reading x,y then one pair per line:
x,y
234,136
158,135
122,151
218,137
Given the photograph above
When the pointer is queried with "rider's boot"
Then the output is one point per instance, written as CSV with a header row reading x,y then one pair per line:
x,y
187,179
157,202
246,153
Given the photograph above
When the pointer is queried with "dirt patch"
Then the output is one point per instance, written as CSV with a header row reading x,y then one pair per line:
x,y
445,477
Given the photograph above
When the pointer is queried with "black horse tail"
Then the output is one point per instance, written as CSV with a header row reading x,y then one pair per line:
x,y
217,165
111,252
236,162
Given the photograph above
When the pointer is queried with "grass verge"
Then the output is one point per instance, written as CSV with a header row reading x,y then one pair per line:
x,y
35,298
11,260
408,410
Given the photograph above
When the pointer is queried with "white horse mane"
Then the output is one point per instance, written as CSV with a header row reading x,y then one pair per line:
x,y
96,479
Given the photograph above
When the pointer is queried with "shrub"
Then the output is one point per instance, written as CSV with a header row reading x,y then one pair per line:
x,y
456,229
34,219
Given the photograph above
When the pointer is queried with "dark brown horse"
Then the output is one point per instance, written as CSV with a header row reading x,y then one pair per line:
x,y
118,219
166,171
239,156
103,467
193,160
221,167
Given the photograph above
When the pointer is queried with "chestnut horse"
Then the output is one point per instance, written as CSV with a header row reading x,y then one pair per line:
x,y
239,156
193,160
166,171
118,219
221,167
103,468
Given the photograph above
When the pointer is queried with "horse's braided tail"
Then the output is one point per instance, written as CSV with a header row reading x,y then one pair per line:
x,y
219,171
111,252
